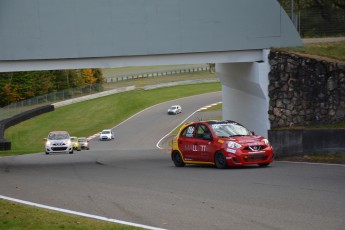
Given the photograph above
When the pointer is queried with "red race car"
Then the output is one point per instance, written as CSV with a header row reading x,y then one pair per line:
x,y
219,143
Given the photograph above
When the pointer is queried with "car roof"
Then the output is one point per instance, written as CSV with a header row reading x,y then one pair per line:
x,y
214,122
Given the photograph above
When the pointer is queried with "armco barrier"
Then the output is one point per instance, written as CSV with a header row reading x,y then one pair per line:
x,y
4,124
300,141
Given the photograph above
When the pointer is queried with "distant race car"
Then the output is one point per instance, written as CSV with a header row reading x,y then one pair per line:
x,y
75,143
175,109
58,142
84,143
219,143
106,134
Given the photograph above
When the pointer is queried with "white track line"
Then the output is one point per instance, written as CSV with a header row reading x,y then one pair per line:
x,y
80,213
202,108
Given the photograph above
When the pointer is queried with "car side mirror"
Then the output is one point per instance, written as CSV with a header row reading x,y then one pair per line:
x,y
207,136
252,132
45,138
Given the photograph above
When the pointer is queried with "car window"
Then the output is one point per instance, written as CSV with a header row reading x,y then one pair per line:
x,y
201,130
188,131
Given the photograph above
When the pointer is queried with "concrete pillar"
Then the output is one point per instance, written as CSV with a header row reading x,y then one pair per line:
x,y
245,93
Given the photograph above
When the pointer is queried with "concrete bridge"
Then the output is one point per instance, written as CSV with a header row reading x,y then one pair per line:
x,y
235,34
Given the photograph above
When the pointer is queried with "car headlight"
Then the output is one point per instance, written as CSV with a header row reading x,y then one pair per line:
x,y
234,145
69,142
48,143
266,142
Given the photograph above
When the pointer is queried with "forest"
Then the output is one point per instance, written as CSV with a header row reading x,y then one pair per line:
x,y
317,18
18,86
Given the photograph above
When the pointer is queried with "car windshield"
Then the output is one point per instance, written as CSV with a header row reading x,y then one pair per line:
x,y
230,129
58,136
173,107
81,139
73,139
105,132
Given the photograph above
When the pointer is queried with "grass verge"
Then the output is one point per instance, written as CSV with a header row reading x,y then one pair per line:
x,y
334,50
331,158
15,216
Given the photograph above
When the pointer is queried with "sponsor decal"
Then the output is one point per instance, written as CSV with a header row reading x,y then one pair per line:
x,y
231,150
196,148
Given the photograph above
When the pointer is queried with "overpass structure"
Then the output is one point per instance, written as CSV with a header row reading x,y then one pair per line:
x,y
235,34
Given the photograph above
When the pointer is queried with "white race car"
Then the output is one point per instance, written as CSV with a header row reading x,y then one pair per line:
x,y
58,142
175,109
106,134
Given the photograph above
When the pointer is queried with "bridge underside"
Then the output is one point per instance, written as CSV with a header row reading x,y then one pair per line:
x,y
234,34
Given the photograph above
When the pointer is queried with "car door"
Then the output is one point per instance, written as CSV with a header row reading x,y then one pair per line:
x,y
203,146
186,141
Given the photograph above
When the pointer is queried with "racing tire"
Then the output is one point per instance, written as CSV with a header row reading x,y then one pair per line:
x,y
71,152
264,164
47,153
220,160
177,159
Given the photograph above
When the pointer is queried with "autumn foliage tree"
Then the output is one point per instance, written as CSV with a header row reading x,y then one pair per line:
x,y
17,86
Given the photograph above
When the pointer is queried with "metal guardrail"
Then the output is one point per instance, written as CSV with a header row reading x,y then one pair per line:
x,y
157,74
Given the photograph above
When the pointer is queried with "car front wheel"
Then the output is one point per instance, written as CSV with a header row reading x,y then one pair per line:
x,y
177,159
220,160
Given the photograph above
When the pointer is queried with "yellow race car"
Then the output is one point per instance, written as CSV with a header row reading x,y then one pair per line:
x,y
75,143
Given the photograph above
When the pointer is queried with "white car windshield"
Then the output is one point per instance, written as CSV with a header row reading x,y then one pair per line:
x,y
230,129
58,136
106,132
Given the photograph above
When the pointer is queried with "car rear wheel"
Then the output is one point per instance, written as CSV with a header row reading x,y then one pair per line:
x,y
220,160
177,159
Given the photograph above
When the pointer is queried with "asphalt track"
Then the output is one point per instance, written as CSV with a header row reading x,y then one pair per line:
x,y
130,179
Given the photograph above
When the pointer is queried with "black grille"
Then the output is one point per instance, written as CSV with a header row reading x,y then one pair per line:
x,y
61,148
255,147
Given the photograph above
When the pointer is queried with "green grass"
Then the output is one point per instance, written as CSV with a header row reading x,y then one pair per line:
x,y
335,50
89,117
15,216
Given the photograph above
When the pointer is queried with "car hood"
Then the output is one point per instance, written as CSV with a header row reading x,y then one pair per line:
x,y
246,140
